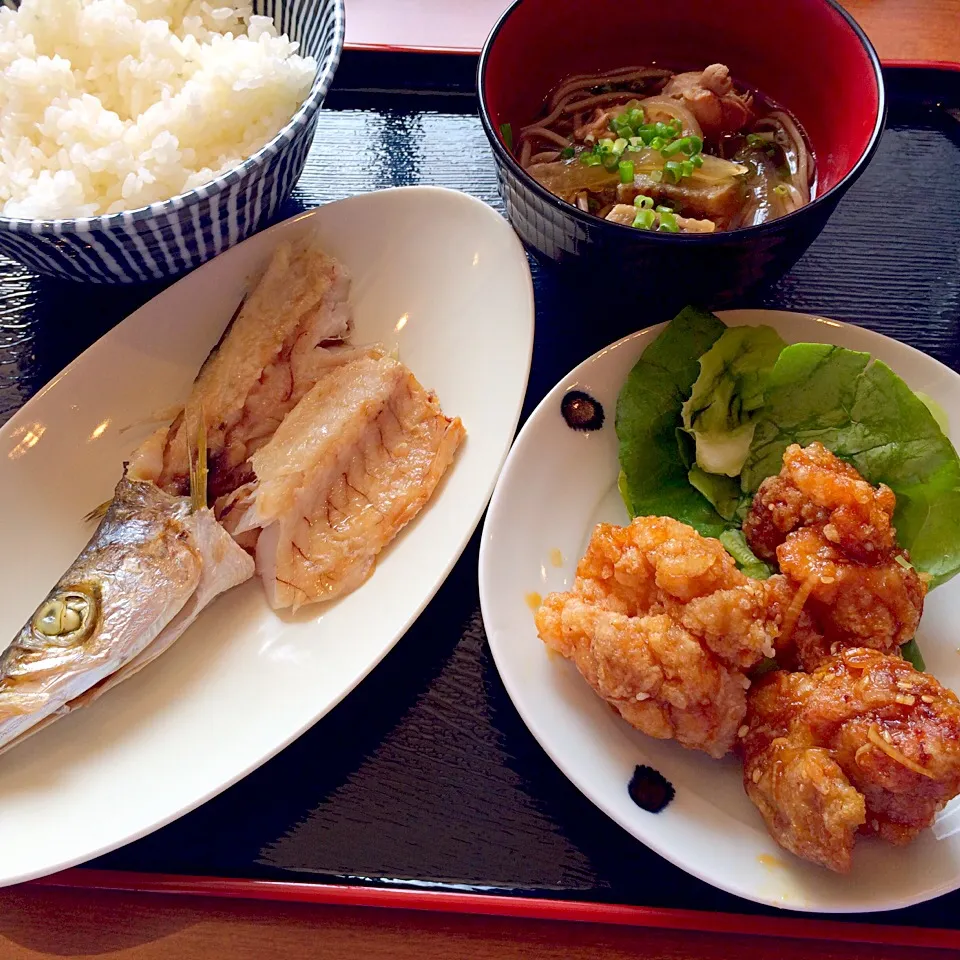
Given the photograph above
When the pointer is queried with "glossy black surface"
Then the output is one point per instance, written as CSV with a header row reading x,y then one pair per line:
x,y
425,775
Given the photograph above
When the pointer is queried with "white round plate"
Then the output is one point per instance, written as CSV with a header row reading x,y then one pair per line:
x,y
556,484
435,272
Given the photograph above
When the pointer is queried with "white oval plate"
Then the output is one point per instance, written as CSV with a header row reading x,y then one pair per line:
x,y
556,484
434,271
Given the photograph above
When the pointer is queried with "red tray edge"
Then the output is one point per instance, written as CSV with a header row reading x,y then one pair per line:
x,y
519,907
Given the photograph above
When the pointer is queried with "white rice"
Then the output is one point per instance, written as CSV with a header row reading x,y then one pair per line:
x,y
108,105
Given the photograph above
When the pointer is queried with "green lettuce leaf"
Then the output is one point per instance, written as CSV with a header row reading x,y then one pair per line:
x,y
911,653
735,543
727,396
654,472
939,414
722,492
862,411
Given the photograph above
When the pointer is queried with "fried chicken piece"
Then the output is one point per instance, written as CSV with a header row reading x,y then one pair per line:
x,y
655,673
854,604
807,803
711,98
817,488
864,744
832,535
662,625
758,616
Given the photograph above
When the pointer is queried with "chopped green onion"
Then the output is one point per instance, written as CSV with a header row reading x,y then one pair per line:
x,y
691,146
657,143
668,223
644,219
642,202
635,142
619,145
626,171
604,146
697,160
755,140
635,116
672,169
665,131
676,170
590,159
623,130
566,153
664,209
506,132
656,175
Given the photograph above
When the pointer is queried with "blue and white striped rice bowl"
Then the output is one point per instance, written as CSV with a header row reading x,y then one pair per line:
x,y
173,236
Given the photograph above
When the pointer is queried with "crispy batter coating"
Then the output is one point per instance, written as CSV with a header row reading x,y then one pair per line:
x,y
832,534
650,669
864,744
814,488
662,625
854,604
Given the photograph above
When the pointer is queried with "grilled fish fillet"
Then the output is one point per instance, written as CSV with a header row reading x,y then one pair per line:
x,y
280,343
149,569
348,468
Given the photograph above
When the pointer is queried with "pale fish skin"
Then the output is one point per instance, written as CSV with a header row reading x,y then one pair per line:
x,y
149,569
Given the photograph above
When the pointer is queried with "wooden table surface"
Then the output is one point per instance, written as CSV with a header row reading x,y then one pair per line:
x,y
39,922
911,29
900,29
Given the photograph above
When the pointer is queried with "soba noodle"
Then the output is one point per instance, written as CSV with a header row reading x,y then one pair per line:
x,y
688,152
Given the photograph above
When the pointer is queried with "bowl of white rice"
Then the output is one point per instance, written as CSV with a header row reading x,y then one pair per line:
x,y
140,138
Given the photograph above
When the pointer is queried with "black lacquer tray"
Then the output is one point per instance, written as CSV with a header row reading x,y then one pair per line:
x,y
424,778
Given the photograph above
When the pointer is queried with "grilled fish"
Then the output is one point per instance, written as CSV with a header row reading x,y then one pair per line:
x,y
283,338
153,563
319,452
349,467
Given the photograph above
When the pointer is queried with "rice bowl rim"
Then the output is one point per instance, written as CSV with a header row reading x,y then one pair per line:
x,y
123,218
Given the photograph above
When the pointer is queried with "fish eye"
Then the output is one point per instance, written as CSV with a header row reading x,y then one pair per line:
x,y
67,617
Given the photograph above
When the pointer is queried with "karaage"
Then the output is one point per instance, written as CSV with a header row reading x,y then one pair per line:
x,y
863,744
663,626
832,536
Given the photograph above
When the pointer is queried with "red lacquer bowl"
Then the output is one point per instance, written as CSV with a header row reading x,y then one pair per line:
x,y
807,55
